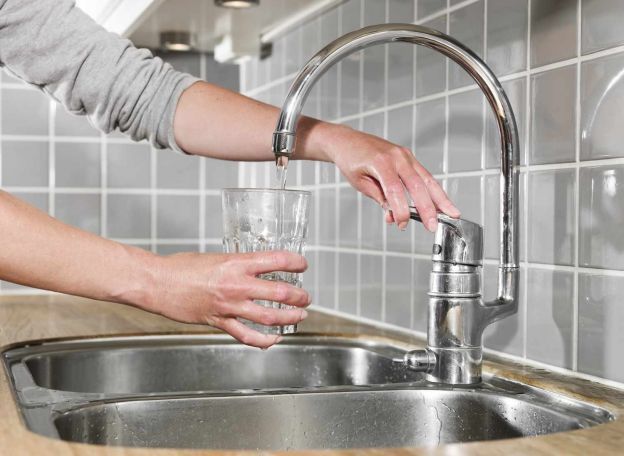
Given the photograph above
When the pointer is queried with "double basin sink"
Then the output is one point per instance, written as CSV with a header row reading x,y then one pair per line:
x,y
309,392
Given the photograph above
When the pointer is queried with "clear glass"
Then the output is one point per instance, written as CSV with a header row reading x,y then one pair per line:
x,y
257,220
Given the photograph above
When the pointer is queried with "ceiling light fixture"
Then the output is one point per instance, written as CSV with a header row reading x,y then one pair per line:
x,y
237,4
179,41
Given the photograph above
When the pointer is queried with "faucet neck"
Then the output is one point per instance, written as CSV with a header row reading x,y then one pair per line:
x,y
285,132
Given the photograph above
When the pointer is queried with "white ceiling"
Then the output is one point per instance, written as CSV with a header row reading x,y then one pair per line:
x,y
210,23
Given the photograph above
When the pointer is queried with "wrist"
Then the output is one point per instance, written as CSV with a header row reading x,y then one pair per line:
x,y
136,285
317,140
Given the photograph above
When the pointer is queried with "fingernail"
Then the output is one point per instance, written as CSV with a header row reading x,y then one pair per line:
x,y
304,314
403,226
432,224
279,339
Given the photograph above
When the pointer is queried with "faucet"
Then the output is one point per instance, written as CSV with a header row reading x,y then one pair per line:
x,y
457,314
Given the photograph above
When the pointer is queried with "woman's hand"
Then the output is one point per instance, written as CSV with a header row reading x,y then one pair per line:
x,y
388,174
216,289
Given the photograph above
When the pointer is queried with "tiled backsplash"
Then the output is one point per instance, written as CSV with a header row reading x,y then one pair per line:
x,y
561,63
156,199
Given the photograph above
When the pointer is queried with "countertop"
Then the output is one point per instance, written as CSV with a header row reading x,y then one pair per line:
x,y
30,318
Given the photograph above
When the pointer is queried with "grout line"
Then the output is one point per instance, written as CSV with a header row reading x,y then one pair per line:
x,y
202,170
103,185
51,159
524,176
153,199
577,142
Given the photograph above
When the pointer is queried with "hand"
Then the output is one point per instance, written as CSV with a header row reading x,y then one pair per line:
x,y
216,289
388,173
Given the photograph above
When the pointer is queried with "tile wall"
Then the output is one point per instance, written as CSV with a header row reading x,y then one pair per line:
x,y
155,199
562,64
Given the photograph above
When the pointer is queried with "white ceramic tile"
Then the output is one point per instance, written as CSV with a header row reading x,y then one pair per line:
x,y
327,216
429,134
553,130
507,24
466,26
77,164
401,11
552,216
24,164
465,192
176,171
398,291
550,300
600,335
601,216
465,130
601,24
348,218
371,286
128,165
350,66
400,81
400,126
431,65
81,211
177,216
347,285
372,222
425,8
327,279
214,217
171,249
221,174
553,31
24,112
602,100
129,216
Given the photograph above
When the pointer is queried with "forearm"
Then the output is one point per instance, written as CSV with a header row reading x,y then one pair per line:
x,y
40,251
219,123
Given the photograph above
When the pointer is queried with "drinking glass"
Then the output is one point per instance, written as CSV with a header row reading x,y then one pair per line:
x,y
258,220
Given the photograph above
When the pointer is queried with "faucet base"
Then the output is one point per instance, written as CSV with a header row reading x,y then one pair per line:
x,y
456,366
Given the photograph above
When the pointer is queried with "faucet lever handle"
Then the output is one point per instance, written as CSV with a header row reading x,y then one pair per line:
x,y
456,241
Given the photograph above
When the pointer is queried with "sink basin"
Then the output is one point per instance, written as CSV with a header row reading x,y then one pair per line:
x,y
353,419
309,392
173,364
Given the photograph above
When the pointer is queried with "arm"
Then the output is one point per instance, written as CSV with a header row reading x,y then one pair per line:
x,y
216,122
39,251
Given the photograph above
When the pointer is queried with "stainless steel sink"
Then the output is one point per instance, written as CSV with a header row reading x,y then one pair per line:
x,y
346,419
308,393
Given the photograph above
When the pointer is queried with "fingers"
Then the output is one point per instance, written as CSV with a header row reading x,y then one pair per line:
x,y
421,198
395,196
268,316
248,336
264,262
277,291
436,192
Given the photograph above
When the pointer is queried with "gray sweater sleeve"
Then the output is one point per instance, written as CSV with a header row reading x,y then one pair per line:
x,y
58,48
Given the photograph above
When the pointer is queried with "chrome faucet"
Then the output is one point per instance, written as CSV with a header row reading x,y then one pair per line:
x,y
457,313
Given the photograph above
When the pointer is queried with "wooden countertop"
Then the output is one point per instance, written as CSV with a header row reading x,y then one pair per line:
x,y
29,318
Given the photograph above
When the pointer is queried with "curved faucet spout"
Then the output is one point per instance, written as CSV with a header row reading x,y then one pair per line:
x,y
284,136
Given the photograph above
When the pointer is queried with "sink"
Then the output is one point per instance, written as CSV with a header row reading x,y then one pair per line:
x,y
351,419
309,392
174,364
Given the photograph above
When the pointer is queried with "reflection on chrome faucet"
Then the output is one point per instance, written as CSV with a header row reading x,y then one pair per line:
x,y
457,313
